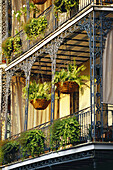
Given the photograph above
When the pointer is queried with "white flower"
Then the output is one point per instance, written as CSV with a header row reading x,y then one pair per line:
x,y
24,6
13,12
16,14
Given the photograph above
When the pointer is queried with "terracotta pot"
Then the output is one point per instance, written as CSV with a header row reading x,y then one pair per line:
x,y
67,87
40,104
65,147
39,1
3,61
30,156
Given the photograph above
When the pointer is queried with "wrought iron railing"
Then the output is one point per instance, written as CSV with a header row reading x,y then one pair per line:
x,y
103,124
103,130
84,119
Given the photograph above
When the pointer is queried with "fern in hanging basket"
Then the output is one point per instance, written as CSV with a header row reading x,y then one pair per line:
x,y
64,5
39,1
68,80
35,27
39,94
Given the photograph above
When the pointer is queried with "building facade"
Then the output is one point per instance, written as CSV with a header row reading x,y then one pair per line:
x,y
82,34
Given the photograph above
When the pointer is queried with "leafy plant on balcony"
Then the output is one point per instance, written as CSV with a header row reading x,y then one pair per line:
x,y
64,5
7,47
9,151
72,74
1,152
64,132
38,90
35,27
32,143
12,45
17,43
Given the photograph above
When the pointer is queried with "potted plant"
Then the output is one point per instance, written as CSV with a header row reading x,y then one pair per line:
x,y
9,151
12,45
35,27
68,80
65,132
7,47
39,1
39,94
64,5
3,58
17,44
32,143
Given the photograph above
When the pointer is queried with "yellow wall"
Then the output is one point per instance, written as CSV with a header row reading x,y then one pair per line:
x,y
64,105
84,100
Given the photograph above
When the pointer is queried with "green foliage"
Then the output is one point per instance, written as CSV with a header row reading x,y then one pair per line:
x,y
32,143
89,132
11,45
17,43
73,73
9,151
1,152
64,5
23,12
35,27
7,46
38,91
65,131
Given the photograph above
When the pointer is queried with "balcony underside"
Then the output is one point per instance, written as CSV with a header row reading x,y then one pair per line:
x,y
74,48
88,156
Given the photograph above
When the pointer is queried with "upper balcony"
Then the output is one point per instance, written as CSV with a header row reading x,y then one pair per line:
x,y
53,24
93,120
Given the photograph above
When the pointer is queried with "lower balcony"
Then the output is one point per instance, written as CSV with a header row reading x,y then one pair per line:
x,y
54,145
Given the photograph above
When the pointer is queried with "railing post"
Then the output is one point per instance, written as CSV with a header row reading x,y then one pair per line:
x,y
27,101
92,1
92,74
26,67
28,10
100,2
28,16
52,50
53,69
7,120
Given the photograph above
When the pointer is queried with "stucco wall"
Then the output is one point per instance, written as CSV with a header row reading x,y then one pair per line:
x,y
84,99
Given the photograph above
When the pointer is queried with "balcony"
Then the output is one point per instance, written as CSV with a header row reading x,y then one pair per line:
x,y
83,138
54,24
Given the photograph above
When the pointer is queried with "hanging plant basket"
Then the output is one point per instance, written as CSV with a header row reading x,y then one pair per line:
x,y
67,87
40,104
64,5
39,1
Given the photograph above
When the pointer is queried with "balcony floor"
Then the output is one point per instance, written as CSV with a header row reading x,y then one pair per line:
x,y
89,155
